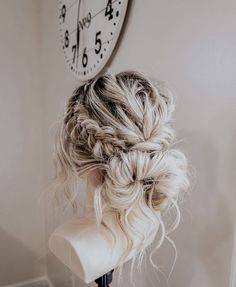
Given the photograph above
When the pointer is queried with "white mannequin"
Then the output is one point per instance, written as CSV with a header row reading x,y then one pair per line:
x,y
90,251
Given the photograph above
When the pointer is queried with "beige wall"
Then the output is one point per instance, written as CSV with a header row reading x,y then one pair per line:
x,y
189,44
22,230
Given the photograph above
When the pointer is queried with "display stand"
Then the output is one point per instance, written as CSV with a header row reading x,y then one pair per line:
x,y
105,280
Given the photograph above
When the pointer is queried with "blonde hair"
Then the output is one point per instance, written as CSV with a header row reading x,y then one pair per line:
x,y
121,125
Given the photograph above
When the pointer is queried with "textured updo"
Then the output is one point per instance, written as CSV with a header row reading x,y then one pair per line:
x,y
121,125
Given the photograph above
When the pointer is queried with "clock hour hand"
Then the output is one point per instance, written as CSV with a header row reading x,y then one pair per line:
x,y
77,35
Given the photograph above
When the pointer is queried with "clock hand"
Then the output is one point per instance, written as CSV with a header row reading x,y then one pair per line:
x,y
77,35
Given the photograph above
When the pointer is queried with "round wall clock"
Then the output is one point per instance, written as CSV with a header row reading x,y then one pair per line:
x,y
89,30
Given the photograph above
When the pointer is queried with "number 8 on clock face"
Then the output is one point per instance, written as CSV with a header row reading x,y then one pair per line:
x,y
89,30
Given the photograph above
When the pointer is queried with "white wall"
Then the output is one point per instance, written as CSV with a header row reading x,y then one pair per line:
x,y
189,44
22,230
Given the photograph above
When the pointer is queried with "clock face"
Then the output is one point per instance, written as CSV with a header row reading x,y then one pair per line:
x,y
89,30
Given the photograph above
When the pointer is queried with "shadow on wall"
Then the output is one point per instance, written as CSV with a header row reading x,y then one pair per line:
x,y
60,275
204,239
22,260
231,169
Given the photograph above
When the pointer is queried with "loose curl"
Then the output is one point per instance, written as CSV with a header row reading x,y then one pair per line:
x,y
121,125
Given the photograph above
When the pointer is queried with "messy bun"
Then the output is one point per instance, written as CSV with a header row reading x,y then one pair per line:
x,y
136,176
121,125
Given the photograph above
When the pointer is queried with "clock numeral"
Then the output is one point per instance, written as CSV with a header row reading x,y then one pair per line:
x,y
84,58
67,41
98,42
63,13
74,51
109,10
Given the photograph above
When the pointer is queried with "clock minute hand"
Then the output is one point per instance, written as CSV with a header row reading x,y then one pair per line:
x,y
77,35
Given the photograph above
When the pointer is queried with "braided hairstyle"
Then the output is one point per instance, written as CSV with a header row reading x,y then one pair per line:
x,y
121,125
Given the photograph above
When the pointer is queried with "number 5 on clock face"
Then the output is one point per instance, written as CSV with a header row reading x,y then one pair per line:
x,y
89,30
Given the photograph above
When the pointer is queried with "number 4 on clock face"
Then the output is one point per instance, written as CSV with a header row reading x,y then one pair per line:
x,y
89,30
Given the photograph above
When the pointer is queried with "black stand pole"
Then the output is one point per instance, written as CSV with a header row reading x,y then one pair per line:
x,y
105,280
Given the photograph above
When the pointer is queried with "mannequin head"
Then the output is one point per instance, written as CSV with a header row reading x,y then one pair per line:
x,y
120,127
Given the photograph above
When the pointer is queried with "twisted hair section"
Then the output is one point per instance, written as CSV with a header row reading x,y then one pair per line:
x,y
121,125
